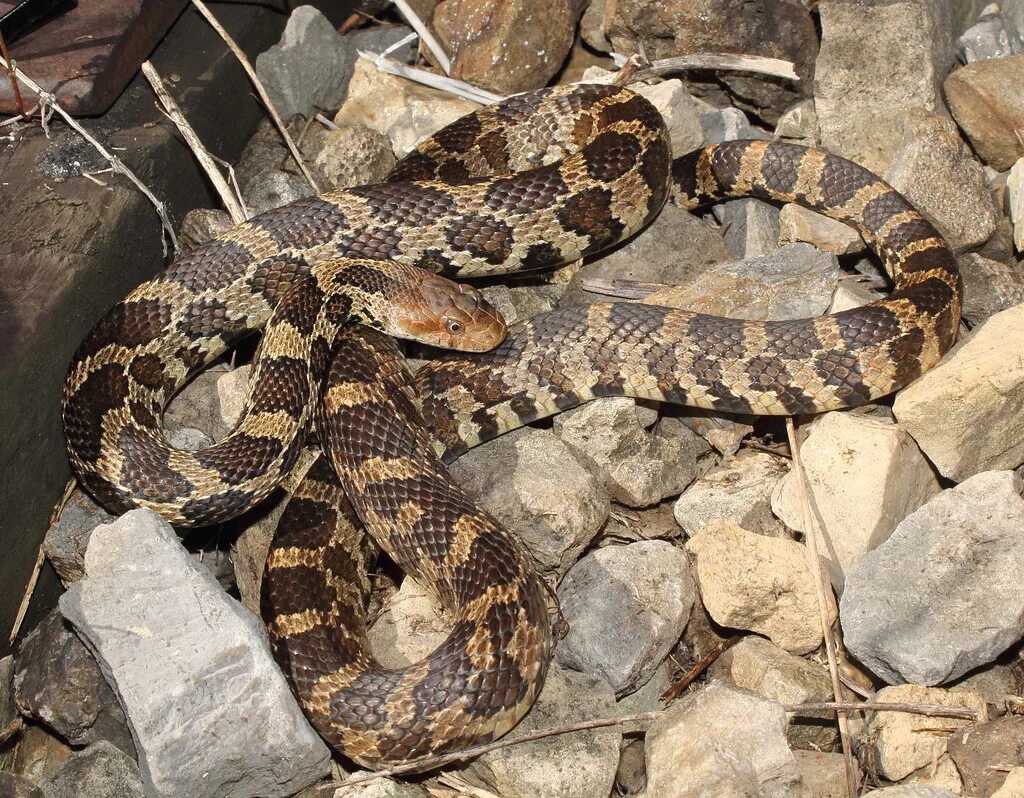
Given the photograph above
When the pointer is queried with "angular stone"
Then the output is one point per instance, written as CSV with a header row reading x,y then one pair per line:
x,y
353,155
273,188
896,614
904,742
411,625
774,594
100,771
1015,195
676,105
1013,786
13,785
933,168
799,224
877,60
555,520
217,676
626,607
992,36
638,468
58,682
578,765
65,541
799,122
723,433
39,754
987,100
758,665
751,227
914,791
631,776
852,294
823,774
738,491
519,302
978,393
728,124
196,406
989,287
864,476
975,749
793,282
941,773
720,740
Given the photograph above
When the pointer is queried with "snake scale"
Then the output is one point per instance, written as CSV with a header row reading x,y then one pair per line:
x,y
535,181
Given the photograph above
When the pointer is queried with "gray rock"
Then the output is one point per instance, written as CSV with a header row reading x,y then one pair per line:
x,y
555,520
272,189
187,438
987,101
626,607
728,124
638,468
648,697
751,227
519,302
100,771
196,407
721,741
353,155
945,593
989,287
380,788
58,682
181,653
799,122
992,36
671,98
933,168
202,224
65,541
724,434
1015,195
631,776
578,765
914,791
799,224
13,785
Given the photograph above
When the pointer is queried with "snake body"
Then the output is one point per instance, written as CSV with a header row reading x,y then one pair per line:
x,y
537,180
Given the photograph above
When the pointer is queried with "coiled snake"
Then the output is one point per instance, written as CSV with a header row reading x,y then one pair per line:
x,y
538,180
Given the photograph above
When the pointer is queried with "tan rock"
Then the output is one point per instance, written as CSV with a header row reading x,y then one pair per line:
x,y
1013,787
940,773
967,413
987,99
823,775
800,224
763,584
1015,193
851,294
411,626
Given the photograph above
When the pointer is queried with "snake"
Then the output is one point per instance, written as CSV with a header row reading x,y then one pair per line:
x,y
532,182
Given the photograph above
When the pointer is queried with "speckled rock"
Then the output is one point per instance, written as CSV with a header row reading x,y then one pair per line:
x,y
65,541
989,287
987,100
799,224
353,155
100,771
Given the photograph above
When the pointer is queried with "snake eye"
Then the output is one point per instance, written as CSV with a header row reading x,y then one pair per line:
x,y
454,327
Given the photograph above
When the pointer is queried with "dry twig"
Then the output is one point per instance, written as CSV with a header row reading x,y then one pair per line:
x,y
676,688
720,62
425,35
260,90
459,88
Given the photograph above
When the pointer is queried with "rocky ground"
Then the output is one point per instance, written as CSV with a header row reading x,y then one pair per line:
x,y
670,536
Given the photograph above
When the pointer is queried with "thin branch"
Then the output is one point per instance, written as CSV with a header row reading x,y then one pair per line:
x,y
425,35
811,541
457,87
930,710
621,288
202,155
676,688
720,62
48,105
264,97
26,599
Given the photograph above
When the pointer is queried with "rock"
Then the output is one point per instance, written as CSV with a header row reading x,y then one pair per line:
x,y
39,754
554,520
793,282
411,626
772,28
14,786
933,168
864,476
231,388
404,111
631,776
896,612
987,100
763,584
517,303
507,47
187,438
1013,786
58,682
799,224
738,491
913,791
353,155
168,670
100,771
380,788
975,749
638,468
272,189
724,434
996,683
720,741
1015,193
758,665
978,393
877,60
578,765
202,224
65,541
8,710
197,406
638,596
648,697
682,119
992,36
940,773
823,775
728,124
675,247
903,742
799,122
852,294
989,287
751,227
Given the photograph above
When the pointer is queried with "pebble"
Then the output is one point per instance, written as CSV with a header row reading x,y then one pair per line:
x,y
864,476
720,741
579,765
934,169
760,666
975,749
750,227
877,61
353,155
682,118
100,771
518,303
987,100
626,607
728,124
58,682
903,742
638,468
896,611
852,294
39,754
799,123
631,776
798,224
992,36
989,287
274,188
978,393
163,630
555,520
197,407
913,791
753,582
823,774
724,433
738,491
65,541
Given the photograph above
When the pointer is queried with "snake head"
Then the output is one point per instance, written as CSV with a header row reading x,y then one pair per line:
x,y
452,316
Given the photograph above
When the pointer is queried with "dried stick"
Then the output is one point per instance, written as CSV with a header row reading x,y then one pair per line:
x,y
811,540
425,35
720,62
10,74
676,688
26,599
621,288
457,87
48,105
195,144
930,710
262,92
